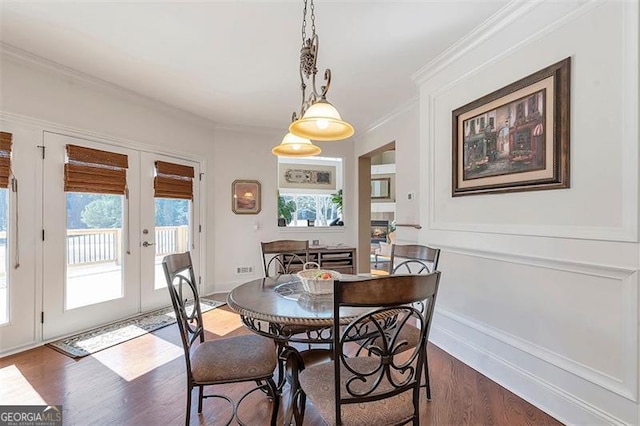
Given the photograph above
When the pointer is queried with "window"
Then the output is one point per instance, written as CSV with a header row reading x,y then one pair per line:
x,y
5,179
532,105
95,183
173,190
310,192
4,258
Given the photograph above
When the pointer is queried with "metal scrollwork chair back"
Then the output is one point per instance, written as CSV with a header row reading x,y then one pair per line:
x,y
381,385
250,358
288,257
414,259
284,256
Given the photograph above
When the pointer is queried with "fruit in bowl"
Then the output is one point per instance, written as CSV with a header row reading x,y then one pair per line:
x,y
317,281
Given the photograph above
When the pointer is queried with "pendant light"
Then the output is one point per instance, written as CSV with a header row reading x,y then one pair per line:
x,y
295,146
318,119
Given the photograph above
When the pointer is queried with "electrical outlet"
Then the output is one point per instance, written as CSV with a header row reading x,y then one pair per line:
x,y
243,270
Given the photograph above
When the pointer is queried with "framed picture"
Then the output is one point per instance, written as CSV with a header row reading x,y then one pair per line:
x,y
516,138
245,197
306,176
381,188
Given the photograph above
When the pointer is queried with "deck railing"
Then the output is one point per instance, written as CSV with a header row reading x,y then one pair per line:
x,y
85,246
171,239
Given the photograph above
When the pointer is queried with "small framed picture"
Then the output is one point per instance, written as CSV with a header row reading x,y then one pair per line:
x,y
245,197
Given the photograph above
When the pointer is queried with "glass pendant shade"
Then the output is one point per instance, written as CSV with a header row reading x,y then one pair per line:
x,y
295,146
321,122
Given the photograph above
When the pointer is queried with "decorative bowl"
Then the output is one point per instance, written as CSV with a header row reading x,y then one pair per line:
x,y
316,280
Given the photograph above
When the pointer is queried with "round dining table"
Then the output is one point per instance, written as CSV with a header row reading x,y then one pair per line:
x,y
279,308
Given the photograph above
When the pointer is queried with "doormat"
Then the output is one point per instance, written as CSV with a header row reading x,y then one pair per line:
x,y
97,339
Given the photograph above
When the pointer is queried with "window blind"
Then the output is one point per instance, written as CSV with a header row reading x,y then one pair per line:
x,y
173,181
5,158
93,170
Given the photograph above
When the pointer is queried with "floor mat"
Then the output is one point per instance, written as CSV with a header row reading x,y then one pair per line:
x,y
100,338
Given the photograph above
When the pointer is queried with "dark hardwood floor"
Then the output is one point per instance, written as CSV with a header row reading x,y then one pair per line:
x,y
142,382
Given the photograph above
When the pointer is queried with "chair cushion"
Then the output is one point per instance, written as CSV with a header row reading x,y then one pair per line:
x,y
318,383
233,359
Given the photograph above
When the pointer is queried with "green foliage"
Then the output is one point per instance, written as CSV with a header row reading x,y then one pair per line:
x,y
172,212
286,208
337,200
76,202
103,212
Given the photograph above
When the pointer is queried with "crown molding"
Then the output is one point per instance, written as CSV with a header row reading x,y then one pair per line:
x,y
46,126
399,110
279,132
25,57
513,12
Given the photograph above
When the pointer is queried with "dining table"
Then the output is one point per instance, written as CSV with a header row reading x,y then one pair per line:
x,y
279,308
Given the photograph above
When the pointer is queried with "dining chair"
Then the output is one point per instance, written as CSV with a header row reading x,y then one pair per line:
x,y
249,358
287,257
415,259
382,386
284,256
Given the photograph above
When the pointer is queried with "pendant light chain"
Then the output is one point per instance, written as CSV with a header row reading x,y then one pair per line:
x,y
304,22
313,19
318,119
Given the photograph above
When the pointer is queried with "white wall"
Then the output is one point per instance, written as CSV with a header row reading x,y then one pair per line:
x,y
540,289
401,127
242,154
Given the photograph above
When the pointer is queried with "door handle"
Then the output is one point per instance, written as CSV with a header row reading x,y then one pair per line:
x,y
147,244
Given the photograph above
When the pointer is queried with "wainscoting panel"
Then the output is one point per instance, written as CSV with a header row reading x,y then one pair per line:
x,y
540,320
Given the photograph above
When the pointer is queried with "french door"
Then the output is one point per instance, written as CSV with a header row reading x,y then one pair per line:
x,y
102,252
166,227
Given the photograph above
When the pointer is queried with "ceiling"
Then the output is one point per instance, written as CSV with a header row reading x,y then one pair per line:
x,y
236,62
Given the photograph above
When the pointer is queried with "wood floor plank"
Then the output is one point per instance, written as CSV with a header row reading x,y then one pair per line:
x,y
143,382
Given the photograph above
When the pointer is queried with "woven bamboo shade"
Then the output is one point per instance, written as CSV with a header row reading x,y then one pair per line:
x,y
5,158
93,170
173,181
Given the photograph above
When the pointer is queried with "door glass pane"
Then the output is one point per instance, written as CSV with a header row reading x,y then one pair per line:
x,y
94,248
172,232
4,257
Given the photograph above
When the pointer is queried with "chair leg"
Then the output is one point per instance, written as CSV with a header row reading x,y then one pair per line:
x,y
188,416
276,400
426,375
299,412
200,397
282,356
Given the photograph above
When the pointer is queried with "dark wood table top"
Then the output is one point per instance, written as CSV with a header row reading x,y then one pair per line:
x,y
281,300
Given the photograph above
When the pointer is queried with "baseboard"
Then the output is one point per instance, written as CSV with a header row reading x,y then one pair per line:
x,y
18,349
548,397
